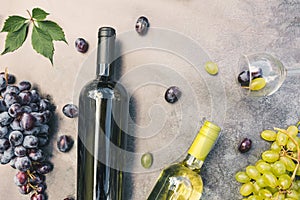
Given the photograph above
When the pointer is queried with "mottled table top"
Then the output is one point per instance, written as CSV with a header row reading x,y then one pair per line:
x,y
221,30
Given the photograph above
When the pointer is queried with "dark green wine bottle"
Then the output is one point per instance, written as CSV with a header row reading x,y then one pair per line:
x,y
102,124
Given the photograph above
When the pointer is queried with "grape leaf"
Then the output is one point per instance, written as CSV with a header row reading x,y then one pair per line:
x,y
53,29
39,14
13,23
14,40
42,43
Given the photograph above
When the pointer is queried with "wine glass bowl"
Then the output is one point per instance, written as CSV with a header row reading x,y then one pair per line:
x,y
260,74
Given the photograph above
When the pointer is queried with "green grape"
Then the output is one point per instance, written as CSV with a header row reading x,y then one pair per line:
x,y
293,194
211,68
147,160
257,84
296,185
263,167
242,177
270,179
260,160
272,190
291,146
279,196
247,189
270,156
261,182
278,168
265,193
252,172
275,146
285,181
292,131
255,197
289,163
256,188
282,138
269,135
298,171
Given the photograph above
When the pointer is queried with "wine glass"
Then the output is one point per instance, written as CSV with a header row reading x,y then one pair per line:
x,y
261,74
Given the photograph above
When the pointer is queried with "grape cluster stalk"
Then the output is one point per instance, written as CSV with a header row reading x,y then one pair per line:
x,y
24,134
276,176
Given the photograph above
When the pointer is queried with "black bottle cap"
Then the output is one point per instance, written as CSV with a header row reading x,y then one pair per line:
x,y
106,32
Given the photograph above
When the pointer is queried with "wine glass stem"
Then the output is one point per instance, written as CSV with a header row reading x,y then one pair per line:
x,y
293,71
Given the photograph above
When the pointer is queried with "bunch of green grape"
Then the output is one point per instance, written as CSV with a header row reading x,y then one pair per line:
x,y
276,175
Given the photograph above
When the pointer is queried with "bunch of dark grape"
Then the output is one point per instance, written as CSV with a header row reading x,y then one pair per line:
x,y
24,132
276,175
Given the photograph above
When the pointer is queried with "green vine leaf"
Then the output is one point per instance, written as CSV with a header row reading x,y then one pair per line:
x,y
14,40
39,14
44,32
42,43
54,30
13,23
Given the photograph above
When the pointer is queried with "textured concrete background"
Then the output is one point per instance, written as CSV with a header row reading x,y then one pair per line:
x,y
224,29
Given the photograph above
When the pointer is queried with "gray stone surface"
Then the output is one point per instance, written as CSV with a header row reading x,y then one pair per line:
x,y
223,29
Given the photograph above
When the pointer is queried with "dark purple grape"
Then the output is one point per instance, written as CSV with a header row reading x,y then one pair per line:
x,y
25,97
12,162
44,168
11,98
23,163
36,154
3,131
21,178
16,138
35,96
244,78
4,144
27,121
7,155
2,83
34,131
47,116
10,89
43,140
142,25
26,109
245,145
41,187
20,151
34,107
44,129
25,189
5,119
37,196
3,106
11,79
172,94
256,72
14,109
81,45
30,141
36,179
45,105
15,125
24,85
39,118
65,143
70,110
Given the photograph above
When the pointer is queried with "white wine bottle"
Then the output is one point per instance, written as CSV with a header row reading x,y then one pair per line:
x,y
102,124
182,181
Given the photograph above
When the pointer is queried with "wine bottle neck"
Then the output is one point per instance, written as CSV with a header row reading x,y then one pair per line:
x,y
105,51
192,163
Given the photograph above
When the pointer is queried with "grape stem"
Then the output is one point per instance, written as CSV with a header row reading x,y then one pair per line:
x,y
298,150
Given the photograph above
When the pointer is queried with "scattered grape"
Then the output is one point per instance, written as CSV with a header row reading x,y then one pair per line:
x,y
65,143
172,94
142,25
147,160
245,145
257,84
211,67
70,110
81,45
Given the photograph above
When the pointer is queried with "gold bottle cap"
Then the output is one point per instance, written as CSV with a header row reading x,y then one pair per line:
x,y
205,140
